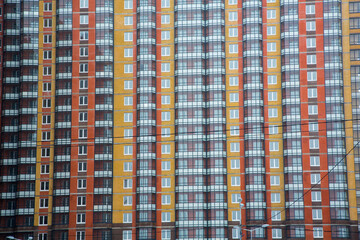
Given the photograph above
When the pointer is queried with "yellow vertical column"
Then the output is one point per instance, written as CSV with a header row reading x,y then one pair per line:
x,y
348,112
50,89
124,117
272,101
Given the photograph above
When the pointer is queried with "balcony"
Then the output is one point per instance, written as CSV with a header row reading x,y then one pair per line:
x,y
29,78
8,195
26,177
8,178
9,161
63,108
104,107
9,145
33,94
30,46
146,24
63,141
67,10
103,174
10,96
104,58
25,194
28,127
61,192
103,123
64,27
108,25
105,90
12,31
189,23
12,48
62,158
13,80
103,157
30,110
64,43
63,125
63,92
63,75
102,190
7,213
29,62
34,13
105,9
61,175
64,59
29,30
181,7
10,112
102,208
104,74
11,63
61,209
27,160
28,144
25,211
104,42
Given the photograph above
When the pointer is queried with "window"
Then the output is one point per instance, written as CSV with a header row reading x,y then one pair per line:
x,y
165,35
44,203
82,150
274,180
127,200
128,117
165,199
84,19
83,100
128,101
46,119
84,67
271,62
233,48
233,16
47,22
314,143
127,183
44,186
310,9
312,76
310,26
312,93
165,83
233,32
128,133
273,112
276,233
271,30
234,97
165,165
317,214
128,4
84,3
316,196
165,234
128,68
165,148
47,38
165,217
234,114
83,84
235,163
315,178
271,47
127,235
43,220
84,51
271,14
47,55
165,3
275,197
128,85
83,117
128,20
311,42
46,103
45,136
165,67
234,81
311,59
276,215
128,150
165,51
234,64
165,99
47,7
45,169
80,218
272,79
232,2
128,52
43,236
274,146
128,36
45,152
127,217
82,167
165,132
318,232
314,161
84,35
234,147
273,129
128,166
272,96
274,163
236,216
80,235
81,184
165,182
46,71
235,181
234,130
165,19
81,201
165,116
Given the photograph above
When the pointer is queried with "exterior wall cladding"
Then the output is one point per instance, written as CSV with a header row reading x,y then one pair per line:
x,y
150,119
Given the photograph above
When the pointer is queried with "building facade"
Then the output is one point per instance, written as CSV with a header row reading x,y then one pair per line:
x,y
157,119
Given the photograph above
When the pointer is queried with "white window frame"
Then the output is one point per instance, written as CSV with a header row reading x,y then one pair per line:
x,y
312,92
271,62
234,81
128,36
165,35
165,216
310,26
276,233
166,182
273,112
275,215
84,35
317,214
81,201
233,16
235,164
271,30
311,42
274,163
234,130
84,3
271,14
235,181
165,116
128,150
128,183
318,232
275,180
165,67
316,196
275,197
234,114
81,184
43,203
165,148
234,147
165,19
128,84
165,3
43,220
128,166
80,218
315,178
310,9
127,201
314,143
128,117
233,48
311,59
165,51
165,199
272,79
128,4
272,96
233,32
84,19
314,161
82,166
274,146
271,46
128,20
127,217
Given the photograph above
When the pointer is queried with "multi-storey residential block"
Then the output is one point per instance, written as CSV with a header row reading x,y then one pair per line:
x,y
179,119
